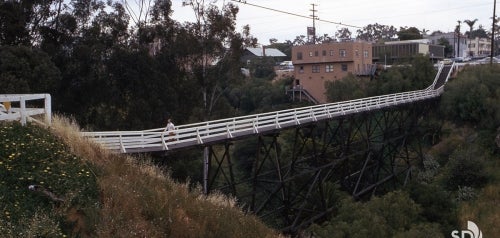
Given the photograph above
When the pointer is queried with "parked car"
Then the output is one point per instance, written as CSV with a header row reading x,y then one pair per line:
x,y
447,61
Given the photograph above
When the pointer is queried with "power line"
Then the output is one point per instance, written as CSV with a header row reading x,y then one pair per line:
x,y
293,14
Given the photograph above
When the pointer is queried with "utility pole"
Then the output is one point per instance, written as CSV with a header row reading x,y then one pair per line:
x,y
458,35
493,33
314,17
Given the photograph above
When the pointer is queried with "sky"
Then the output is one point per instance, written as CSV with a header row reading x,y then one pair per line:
x,y
430,15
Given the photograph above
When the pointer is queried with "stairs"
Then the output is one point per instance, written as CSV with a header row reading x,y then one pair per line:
x,y
302,94
443,76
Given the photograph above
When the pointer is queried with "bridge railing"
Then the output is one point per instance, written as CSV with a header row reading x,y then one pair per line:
x,y
13,107
200,133
205,132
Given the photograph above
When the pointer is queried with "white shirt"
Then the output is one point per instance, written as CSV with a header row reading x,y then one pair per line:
x,y
170,126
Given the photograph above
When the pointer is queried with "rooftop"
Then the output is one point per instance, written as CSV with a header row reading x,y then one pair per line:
x,y
272,52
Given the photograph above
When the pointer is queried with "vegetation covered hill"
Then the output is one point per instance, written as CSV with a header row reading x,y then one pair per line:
x,y
84,191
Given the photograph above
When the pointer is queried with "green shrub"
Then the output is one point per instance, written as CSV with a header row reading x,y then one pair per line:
x,y
466,167
437,205
383,216
474,98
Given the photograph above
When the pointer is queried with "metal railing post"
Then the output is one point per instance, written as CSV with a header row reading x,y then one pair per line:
x,y
48,110
23,111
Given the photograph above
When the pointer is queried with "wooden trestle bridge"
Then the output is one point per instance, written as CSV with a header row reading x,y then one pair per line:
x,y
360,146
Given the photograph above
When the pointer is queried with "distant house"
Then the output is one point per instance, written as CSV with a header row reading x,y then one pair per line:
x,y
318,63
253,53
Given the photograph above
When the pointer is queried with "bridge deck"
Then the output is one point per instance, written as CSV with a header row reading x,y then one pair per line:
x,y
210,132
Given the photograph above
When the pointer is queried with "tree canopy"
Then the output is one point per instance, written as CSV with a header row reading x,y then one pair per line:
x,y
115,67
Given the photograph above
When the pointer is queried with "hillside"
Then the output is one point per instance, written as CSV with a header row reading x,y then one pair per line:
x,y
81,190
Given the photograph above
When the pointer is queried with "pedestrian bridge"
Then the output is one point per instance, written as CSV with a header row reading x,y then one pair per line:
x,y
216,131
363,147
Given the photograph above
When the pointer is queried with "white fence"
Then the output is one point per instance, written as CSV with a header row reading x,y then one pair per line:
x,y
13,107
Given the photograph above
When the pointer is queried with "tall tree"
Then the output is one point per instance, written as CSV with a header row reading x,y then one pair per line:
x,y
27,70
21,21
343,33
213,33
377,32
409,33
325,38
300,40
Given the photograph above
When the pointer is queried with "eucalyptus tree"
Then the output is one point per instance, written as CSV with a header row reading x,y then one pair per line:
x,y
325,38
90,90
21,21
377,32
409,33
213,41
299,40
25,69
343,33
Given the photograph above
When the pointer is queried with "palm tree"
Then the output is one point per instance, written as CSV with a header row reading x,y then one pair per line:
x,y
424,32
470,23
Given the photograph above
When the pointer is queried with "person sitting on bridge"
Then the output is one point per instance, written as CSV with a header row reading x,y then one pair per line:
x,y
170,128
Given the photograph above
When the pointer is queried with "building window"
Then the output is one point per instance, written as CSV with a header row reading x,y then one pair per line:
x,y
331,53
342,53
357,53
324,52
299,55
315,68
344,67
329,68
365,54
310,53
301,70
316,53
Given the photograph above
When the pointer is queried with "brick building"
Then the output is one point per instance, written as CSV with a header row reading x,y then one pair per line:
x,y
316,64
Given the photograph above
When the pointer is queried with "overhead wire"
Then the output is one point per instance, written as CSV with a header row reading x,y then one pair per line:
x,y
294,14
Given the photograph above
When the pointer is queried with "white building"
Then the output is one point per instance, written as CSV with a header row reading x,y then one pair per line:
x,y
479,47
459,44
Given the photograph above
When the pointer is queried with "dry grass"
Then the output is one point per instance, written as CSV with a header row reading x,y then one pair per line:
x,y
484,211
140,200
